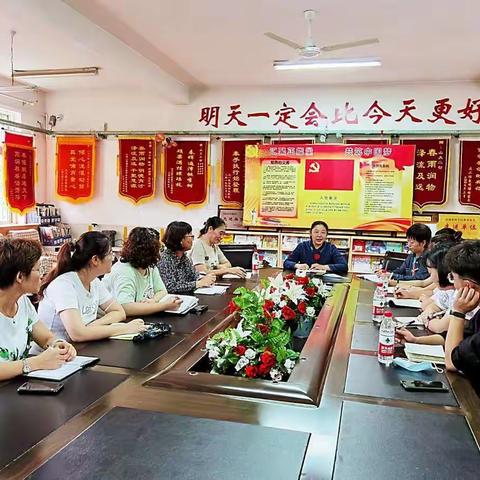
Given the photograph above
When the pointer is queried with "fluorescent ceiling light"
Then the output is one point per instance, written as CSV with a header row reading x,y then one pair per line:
x,y
326,63
56,72
17,99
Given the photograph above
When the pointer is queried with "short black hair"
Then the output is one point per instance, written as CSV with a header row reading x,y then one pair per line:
x,y
142,248
420,232
18,255
174,234
464,260
317,223
435,258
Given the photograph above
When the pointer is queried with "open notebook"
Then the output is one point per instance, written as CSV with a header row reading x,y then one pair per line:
x,y
65,370
188,302
213,290
412,321
404,302
417,352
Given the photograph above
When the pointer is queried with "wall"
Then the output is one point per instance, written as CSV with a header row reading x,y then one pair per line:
x,y
140,110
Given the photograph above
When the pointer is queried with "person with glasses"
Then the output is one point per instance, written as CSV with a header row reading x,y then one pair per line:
x,y
135,281
19,323
72,293
462,350
176,269
413,267
206,255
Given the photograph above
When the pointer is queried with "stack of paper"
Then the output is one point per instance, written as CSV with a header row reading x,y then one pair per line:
x,y
404,302
372,278
213,290
188,302
403,321
232,275
416,352
65,370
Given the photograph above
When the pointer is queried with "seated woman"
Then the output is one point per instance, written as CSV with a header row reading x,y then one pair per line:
x,y
206,255
434,315
135,281
176,269
72,293
317,253
19,323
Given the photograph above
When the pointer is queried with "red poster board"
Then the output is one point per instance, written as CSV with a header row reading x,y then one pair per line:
x,y
75,168
185,170
137,168
430,174
19,177
233,171
469,181
17,139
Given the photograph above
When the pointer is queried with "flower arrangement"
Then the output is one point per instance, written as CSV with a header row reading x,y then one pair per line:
x,y
260,345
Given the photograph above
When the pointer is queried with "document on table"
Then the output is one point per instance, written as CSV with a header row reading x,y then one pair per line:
x,y
404,302
65,370
416,352
403,321
213,290
232,275
333,277
188,302
391,290
372,278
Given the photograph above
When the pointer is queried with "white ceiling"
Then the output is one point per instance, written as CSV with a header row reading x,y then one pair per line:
x,y
215,43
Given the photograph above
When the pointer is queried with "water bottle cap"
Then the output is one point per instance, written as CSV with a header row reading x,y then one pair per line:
x,y
379,284
388,313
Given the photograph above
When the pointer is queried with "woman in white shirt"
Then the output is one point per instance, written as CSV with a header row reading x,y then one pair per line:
x,y
19,323
135,280
206,255
72,293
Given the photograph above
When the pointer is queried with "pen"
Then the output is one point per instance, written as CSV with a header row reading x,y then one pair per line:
x,y
222,284
438,314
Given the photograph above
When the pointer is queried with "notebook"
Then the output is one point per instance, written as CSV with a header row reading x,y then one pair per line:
x,y
231,275
413,321
65,370
416,352
188,302
372,278
213,290
404,302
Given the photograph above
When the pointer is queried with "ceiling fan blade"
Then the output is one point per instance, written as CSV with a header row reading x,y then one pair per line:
x,y
341,46
285,41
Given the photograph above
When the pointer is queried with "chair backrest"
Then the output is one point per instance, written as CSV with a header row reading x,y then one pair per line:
x,y
239,255
393,260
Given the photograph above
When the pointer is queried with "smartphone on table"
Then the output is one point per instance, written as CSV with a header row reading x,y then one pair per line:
x,y
41,388
423,386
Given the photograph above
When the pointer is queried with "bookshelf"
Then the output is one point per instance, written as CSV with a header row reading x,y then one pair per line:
x,y
363,252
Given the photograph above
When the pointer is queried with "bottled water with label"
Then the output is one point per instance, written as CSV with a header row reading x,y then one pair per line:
x,y
378,308
386,339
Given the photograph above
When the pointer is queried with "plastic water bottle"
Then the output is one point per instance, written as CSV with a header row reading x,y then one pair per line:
x,y
255,264
386,339
385,276
378,308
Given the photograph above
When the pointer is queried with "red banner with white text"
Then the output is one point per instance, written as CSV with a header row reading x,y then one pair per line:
x,y
233,171
19,174
430,174
75,168
185,170
137,168
469,181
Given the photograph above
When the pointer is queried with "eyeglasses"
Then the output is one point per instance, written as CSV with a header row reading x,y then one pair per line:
x,y
189,236
451,279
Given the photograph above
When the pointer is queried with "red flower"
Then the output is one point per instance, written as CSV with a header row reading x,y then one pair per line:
x,y
288,313
268,359
240,350
302,307
263,370
268,315
290,276
302,280
233,307
251,371
311,291
264,329
268,305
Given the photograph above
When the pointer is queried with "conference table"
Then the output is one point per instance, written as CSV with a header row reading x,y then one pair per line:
x,y
149,410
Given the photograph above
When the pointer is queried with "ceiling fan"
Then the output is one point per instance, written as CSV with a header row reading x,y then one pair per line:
x,y
309,52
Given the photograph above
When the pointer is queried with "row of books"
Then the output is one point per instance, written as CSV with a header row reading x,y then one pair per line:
x,y
378,246
53,235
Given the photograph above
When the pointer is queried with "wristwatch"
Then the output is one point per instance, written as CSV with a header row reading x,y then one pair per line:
x,y
26,369
457,314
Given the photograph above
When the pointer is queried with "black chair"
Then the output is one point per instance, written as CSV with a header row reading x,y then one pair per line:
x,y
239,255
393,260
